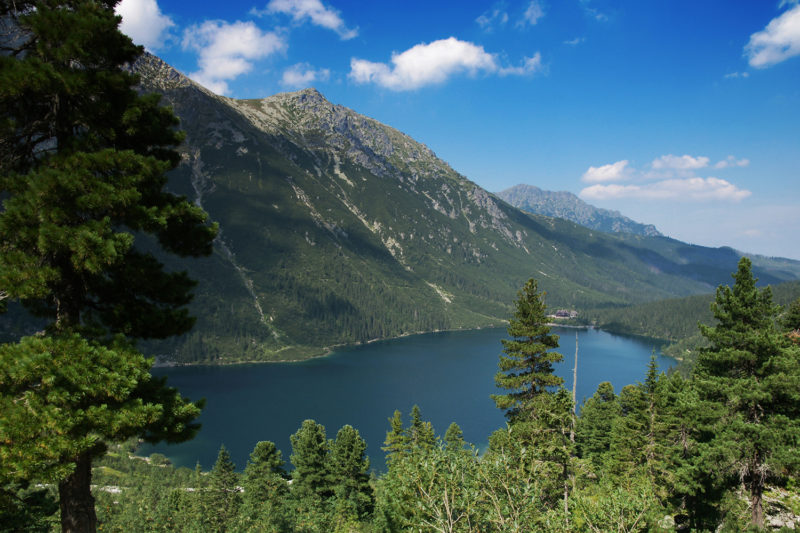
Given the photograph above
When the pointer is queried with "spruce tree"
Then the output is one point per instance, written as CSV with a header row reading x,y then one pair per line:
x,y
593,434
265,490
349,474
311,475
526,369
83,158
221,497
748,381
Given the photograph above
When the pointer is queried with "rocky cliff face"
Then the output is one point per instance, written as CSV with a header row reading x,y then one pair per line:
x,y
337,229
568,206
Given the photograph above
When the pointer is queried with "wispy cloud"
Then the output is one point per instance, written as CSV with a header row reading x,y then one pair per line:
x,y
303,75
666,177
731,161
678,188
733,75
314,11
228,50
495,18
532,14
592,12
434,63
576,41
143,21
779,41
612,172
684,162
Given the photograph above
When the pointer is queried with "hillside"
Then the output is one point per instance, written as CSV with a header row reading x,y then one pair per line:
x,y
566,205
338,229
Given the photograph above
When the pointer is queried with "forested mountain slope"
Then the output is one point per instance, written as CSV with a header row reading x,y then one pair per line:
x,y
337,229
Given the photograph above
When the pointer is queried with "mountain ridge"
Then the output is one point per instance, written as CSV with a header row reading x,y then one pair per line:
x,y
336,229
563,204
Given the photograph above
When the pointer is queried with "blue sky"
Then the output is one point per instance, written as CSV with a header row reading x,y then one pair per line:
x,y
682,114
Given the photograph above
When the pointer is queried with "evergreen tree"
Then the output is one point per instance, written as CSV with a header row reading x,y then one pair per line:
x,y
526,369
420,433
349,467
311,475
82,163
265,490
594,432
454,437
221,497
748,380
396,441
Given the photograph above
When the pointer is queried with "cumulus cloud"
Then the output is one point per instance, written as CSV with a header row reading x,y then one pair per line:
x,y
314,11
779,41
228,50
494,18
684,162
143,21
695,188
731,161
532,14
433,63
613,172
303,75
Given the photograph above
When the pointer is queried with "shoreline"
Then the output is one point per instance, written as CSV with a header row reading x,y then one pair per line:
x,y
328,350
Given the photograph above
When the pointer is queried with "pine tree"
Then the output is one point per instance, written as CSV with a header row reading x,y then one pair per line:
x,y
526,369
748,380
594,429
420,433
82,163
265,490
454,437
221,497
349,467
311,475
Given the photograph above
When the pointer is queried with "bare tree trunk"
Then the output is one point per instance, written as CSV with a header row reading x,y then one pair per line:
x,y
756,501
574,392
76,500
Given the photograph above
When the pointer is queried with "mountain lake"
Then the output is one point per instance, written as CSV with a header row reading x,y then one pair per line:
x,y
450,375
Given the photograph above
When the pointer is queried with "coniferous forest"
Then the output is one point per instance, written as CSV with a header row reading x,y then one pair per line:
x,y
83,163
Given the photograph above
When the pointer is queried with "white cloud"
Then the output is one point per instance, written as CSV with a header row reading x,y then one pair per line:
x,y
779,41
316,12
731,161
695,188
532,14
613,172
576,41
227,50
737,75
303,75
530,65
143,22
434,63
684,162
494,18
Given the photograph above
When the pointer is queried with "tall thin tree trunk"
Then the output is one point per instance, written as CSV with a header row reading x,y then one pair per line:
x,y
756,501
76,500
574,393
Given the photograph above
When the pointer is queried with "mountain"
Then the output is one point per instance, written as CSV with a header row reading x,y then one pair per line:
x,y
337,229
566,205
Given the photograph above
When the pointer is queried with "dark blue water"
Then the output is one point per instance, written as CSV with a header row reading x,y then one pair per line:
x,y
449,375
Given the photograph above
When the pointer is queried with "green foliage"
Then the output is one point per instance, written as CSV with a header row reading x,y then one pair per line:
x,y
65,397
748,381
593,432
526,369
83,159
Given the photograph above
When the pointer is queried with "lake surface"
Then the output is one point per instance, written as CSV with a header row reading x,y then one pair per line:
x,y
450,375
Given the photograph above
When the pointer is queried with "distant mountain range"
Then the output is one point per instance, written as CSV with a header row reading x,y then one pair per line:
x,y
566,205
337,229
